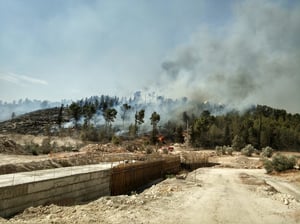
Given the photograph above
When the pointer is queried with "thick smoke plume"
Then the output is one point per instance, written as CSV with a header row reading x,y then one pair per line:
x,y
253,61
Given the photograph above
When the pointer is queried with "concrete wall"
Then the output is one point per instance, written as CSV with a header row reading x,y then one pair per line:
x,y
63,190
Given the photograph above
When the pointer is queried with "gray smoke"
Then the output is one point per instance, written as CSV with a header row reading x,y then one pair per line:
x,y
256,60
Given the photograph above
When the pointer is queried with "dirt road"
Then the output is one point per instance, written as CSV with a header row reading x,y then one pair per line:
x,y
207,195
225,199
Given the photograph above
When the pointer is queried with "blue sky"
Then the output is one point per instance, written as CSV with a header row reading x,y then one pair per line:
x,y
70,49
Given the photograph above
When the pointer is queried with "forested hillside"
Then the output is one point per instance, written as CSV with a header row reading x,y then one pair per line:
x,y
208,125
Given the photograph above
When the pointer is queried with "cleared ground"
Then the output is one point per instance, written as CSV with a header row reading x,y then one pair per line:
x,y
207,195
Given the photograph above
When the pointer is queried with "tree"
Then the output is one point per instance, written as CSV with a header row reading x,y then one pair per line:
x,y
13,115
155,118
139,119
238,143
89,110
60,115
124,109
110,116
75,110
200,135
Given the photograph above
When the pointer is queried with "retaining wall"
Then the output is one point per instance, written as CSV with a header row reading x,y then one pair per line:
x,y
63,190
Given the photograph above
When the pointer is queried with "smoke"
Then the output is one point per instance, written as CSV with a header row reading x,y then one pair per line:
x,y
254,60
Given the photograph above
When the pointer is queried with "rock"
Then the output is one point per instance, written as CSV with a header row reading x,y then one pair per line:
x,y
181,176
286,202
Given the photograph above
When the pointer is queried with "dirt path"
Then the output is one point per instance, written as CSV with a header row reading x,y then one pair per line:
x,y
208,195
224,199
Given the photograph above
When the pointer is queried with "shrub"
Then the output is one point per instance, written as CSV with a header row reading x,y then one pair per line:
x,y
149,150
46,145
268,165
223,150
281,163
248,150
229,150
116,140
32,148
237,143
267,152
90,134
219,150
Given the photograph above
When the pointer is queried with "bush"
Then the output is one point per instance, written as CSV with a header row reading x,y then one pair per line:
x,y
32,148
116,140
281,163
237,143
89,134
219,150
229,150
268,165
149,150
248,150
267,152
46,145
223,150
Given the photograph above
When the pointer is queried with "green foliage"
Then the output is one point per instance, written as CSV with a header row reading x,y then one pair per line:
x,y
116,140
248,150
237,143
32,148
60,115
268,165
229,150
281,163
224,150
90,133
155,118
149,150
267,152
46,146
139,117
110,115
75,111
124,112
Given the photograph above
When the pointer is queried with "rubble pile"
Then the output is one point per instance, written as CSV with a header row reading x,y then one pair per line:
x,y
106,148
240,162
262,187
270,191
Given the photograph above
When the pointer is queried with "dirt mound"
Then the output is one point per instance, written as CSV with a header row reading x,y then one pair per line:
x,y
9,146
108,148
239,162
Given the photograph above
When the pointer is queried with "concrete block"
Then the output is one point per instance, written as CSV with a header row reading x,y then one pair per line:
x,y
13,191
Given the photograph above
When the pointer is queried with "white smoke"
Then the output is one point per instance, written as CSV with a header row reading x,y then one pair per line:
x,y
255,60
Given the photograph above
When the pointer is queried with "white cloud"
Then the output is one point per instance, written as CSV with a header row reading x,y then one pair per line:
x,y
21,79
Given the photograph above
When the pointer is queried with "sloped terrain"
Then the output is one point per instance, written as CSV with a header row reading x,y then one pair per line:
x,y
37,122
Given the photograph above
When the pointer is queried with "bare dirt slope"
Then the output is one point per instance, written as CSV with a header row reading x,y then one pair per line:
x,y
207,195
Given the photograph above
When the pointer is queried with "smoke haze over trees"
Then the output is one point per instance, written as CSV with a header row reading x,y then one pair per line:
x,y
210,124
